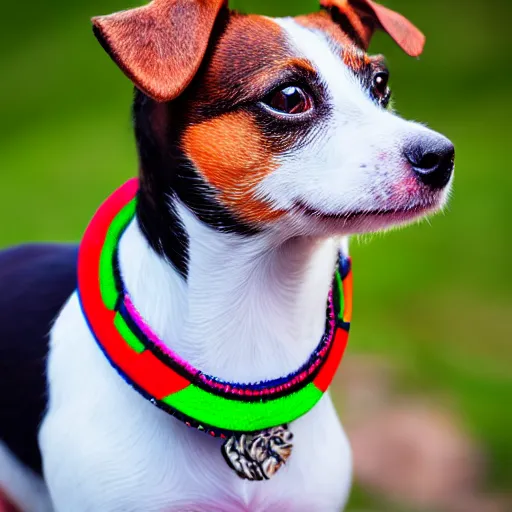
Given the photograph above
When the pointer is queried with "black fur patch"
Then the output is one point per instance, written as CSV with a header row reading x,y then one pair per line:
x,y
156,215
200,199
342,20
35,282
167,174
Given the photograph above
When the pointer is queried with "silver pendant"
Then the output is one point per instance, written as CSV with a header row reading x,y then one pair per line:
x,y
258,456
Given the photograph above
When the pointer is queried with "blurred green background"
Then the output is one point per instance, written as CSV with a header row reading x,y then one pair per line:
x,y
433,300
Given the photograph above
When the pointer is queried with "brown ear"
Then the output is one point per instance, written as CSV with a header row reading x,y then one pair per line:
x,y
365,16
159,46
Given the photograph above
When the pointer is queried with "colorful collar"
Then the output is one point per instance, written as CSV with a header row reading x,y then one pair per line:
x,y
203,401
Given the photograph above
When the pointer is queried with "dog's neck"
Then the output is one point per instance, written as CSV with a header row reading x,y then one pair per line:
x,y
249,309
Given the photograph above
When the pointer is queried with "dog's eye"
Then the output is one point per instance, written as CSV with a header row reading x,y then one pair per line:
x,y
380,89
380,82
289,100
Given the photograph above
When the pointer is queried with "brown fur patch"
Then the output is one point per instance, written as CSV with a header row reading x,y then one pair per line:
x,y
300,63
323,22
250,53
355,58
229,152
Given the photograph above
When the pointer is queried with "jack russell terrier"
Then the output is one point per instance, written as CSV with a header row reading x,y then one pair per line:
x,y
194,333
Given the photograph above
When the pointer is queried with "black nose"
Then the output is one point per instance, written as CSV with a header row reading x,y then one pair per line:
x,y
432,159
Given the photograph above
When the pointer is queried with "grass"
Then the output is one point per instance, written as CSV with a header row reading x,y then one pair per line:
x,y
434,298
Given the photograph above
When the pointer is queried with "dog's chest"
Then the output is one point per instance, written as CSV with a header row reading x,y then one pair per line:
x,y
107,448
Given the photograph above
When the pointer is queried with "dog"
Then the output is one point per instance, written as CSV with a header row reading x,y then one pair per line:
x,y
264,143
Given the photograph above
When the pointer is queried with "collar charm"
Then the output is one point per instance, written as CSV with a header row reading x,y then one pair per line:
x,y
251,416
258,456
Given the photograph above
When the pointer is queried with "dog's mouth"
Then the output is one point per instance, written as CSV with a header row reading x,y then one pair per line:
x,y
358,214
368,220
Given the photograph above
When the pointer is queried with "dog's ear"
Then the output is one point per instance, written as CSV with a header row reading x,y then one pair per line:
x,y
159,46
360,18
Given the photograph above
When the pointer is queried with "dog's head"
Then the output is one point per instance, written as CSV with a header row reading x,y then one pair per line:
x,y
283,124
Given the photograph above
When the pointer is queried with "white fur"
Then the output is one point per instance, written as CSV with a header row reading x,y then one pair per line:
x,y
240,317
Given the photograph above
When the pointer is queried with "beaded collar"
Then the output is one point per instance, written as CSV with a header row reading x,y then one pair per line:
x,y
206,402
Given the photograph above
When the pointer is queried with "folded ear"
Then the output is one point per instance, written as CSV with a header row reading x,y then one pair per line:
x,y
365,16
159,46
